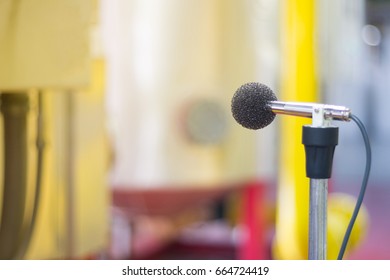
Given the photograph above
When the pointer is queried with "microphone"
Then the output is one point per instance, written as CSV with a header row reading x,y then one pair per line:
x,y
254,106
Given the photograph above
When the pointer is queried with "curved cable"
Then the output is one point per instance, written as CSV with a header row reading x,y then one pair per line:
x,y
362,189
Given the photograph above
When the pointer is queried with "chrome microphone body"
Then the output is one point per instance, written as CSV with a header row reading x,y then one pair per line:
x,y
340,113
255,106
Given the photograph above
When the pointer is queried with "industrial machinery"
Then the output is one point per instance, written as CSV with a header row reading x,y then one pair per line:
x,y
54,153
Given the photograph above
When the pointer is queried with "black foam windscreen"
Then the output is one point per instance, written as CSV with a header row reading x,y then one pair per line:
x,y
250,105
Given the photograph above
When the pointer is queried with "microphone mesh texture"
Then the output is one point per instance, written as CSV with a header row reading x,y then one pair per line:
x,y
250,105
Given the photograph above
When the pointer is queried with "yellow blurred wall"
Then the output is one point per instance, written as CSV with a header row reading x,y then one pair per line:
x,y
45,43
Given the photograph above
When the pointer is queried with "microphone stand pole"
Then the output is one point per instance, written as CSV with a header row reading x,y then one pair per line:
x,y
320,140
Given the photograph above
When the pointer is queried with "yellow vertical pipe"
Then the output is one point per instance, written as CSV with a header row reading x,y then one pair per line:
x,y
298,83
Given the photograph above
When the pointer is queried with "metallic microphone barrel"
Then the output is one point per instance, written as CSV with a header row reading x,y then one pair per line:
x,y
340,113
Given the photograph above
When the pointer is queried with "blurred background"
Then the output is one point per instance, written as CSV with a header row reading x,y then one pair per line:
x,y
117,140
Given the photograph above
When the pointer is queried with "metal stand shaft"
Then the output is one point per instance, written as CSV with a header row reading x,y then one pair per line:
x,y
320,140
318,219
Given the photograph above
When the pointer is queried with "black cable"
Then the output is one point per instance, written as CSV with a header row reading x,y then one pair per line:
x,y
362,189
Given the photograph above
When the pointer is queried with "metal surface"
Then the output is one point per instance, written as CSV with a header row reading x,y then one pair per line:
x,y
306,110
318,219
318,199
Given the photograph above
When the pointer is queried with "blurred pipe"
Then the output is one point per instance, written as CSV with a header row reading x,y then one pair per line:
x,y
298,83
253,245
14,107
40,144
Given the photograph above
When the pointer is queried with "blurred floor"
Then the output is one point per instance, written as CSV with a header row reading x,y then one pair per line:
x,y
375,246
215,239
180,251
